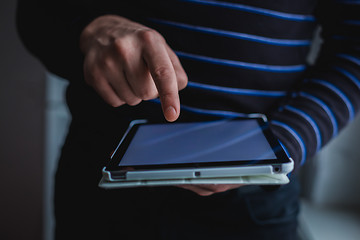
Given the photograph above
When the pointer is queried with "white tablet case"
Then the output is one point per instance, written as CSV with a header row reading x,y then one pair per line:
x,y
269,179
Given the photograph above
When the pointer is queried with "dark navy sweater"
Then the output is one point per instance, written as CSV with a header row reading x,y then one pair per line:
x,y
240,56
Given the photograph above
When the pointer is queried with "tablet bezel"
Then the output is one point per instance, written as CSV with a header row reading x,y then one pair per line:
x,y
113,165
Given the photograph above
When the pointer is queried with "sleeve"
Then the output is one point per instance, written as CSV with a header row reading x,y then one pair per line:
x,y
50,30
329,96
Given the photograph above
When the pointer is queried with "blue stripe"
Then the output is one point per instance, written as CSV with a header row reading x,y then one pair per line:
x,y
339,93
354,2
350,58
312,123
349,76
238,64
326,109
237,91
257,10
216,113
296,136
249,37
352,22
346,38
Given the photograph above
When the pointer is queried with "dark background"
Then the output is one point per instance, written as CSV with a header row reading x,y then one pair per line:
x,y
22,104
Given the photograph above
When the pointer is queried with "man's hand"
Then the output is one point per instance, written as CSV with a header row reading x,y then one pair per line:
x,y
209,189
126,62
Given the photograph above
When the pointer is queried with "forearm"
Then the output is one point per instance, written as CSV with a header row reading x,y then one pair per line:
x,y
329,98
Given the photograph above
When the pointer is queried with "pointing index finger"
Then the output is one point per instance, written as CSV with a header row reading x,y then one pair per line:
x,y
163,74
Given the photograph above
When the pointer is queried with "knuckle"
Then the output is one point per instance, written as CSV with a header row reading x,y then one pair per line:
x,y
118,44
98,84
121,48
162,72
108,62
134,101
148,35
147,94
91,76
115,104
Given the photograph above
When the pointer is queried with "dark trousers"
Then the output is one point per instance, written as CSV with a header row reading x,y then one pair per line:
x,y
85,211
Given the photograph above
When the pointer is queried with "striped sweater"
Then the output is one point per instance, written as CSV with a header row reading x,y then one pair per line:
x,y
241,57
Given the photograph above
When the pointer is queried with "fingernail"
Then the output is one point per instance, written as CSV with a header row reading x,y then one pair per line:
x,y
170,114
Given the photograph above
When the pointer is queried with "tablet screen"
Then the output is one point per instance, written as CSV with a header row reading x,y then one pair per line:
x,y
197,142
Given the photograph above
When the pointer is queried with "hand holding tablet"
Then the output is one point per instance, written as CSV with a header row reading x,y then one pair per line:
x,y
209,189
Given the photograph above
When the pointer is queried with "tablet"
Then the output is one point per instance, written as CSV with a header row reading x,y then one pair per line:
x,y
222,149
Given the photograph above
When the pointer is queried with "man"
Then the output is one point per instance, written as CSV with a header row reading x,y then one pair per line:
x,y
235,57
